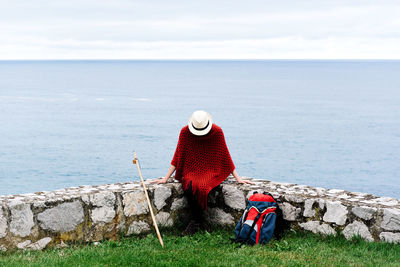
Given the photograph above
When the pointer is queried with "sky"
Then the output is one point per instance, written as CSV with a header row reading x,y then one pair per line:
x,y
207,29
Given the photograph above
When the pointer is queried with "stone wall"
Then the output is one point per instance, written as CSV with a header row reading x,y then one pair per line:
x,y
94,213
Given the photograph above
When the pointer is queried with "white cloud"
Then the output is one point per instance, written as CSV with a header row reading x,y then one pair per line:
x,y
172,30
287,47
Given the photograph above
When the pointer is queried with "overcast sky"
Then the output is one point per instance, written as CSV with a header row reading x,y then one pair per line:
x,y
206,29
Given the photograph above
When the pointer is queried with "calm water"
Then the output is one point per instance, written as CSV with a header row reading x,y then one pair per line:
x,y
333,124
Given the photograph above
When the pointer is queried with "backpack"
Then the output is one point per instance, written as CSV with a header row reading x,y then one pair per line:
x,y
257,224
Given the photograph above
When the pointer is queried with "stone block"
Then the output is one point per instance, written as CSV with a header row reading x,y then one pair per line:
x,y
21,219
64,217
40,244
321,203
233,197
164,219
290,212
213,197
178,188
102,199
357,228
335,191
130,186
390,237
217,216
308,208
39,204
335,213
24,245
103,214
317,228
391,219
179,203
161,194
364,212
138,228
294,198
386,201
85,199
3,223
135,203
344,196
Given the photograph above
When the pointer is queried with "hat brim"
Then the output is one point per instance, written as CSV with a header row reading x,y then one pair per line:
x,y
202,132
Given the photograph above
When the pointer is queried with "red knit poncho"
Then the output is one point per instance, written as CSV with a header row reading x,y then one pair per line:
x,y
204,161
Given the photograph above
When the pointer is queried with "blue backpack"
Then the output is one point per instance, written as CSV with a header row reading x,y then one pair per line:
x,y
257,224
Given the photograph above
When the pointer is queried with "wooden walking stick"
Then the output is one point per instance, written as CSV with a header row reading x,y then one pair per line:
x,y
136,161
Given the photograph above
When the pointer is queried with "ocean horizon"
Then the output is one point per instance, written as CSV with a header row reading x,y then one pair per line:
x,y
327,123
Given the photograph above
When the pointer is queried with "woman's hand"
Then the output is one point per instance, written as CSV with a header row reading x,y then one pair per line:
x,y
159,181
164,180
241,181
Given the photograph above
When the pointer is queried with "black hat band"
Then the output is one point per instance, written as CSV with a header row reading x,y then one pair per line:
x,y
201,129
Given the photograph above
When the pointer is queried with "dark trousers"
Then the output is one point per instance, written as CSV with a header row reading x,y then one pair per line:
x,y
195,209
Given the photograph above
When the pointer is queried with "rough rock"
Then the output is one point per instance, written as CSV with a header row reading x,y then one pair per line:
x,y
21,219
64,217
290,213
3,248
335,191
308,208
364,212
24,245
161,194
3,223
343,196
320,190
178,188
357,228
390,237
41,215
39,204
213,197
85,199
135,203
294,198
219,217
387,201
138,228
391,219
179,204
61,245
40,244
164,219
321,203
103,214
102,199
233,197
316,227
335,213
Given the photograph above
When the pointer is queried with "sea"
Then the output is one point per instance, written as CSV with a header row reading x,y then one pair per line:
x,y
331,124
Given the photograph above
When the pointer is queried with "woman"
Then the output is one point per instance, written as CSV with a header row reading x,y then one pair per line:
x,y
202,162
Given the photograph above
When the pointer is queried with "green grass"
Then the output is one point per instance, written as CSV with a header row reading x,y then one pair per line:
x,y
215,249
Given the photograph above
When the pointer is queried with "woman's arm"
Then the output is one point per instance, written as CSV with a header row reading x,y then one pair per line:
x,y
239,179
165,179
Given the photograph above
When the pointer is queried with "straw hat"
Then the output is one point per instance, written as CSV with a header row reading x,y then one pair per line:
x,y
200,123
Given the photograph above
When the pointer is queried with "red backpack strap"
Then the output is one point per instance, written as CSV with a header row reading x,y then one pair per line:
x,y
253,225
